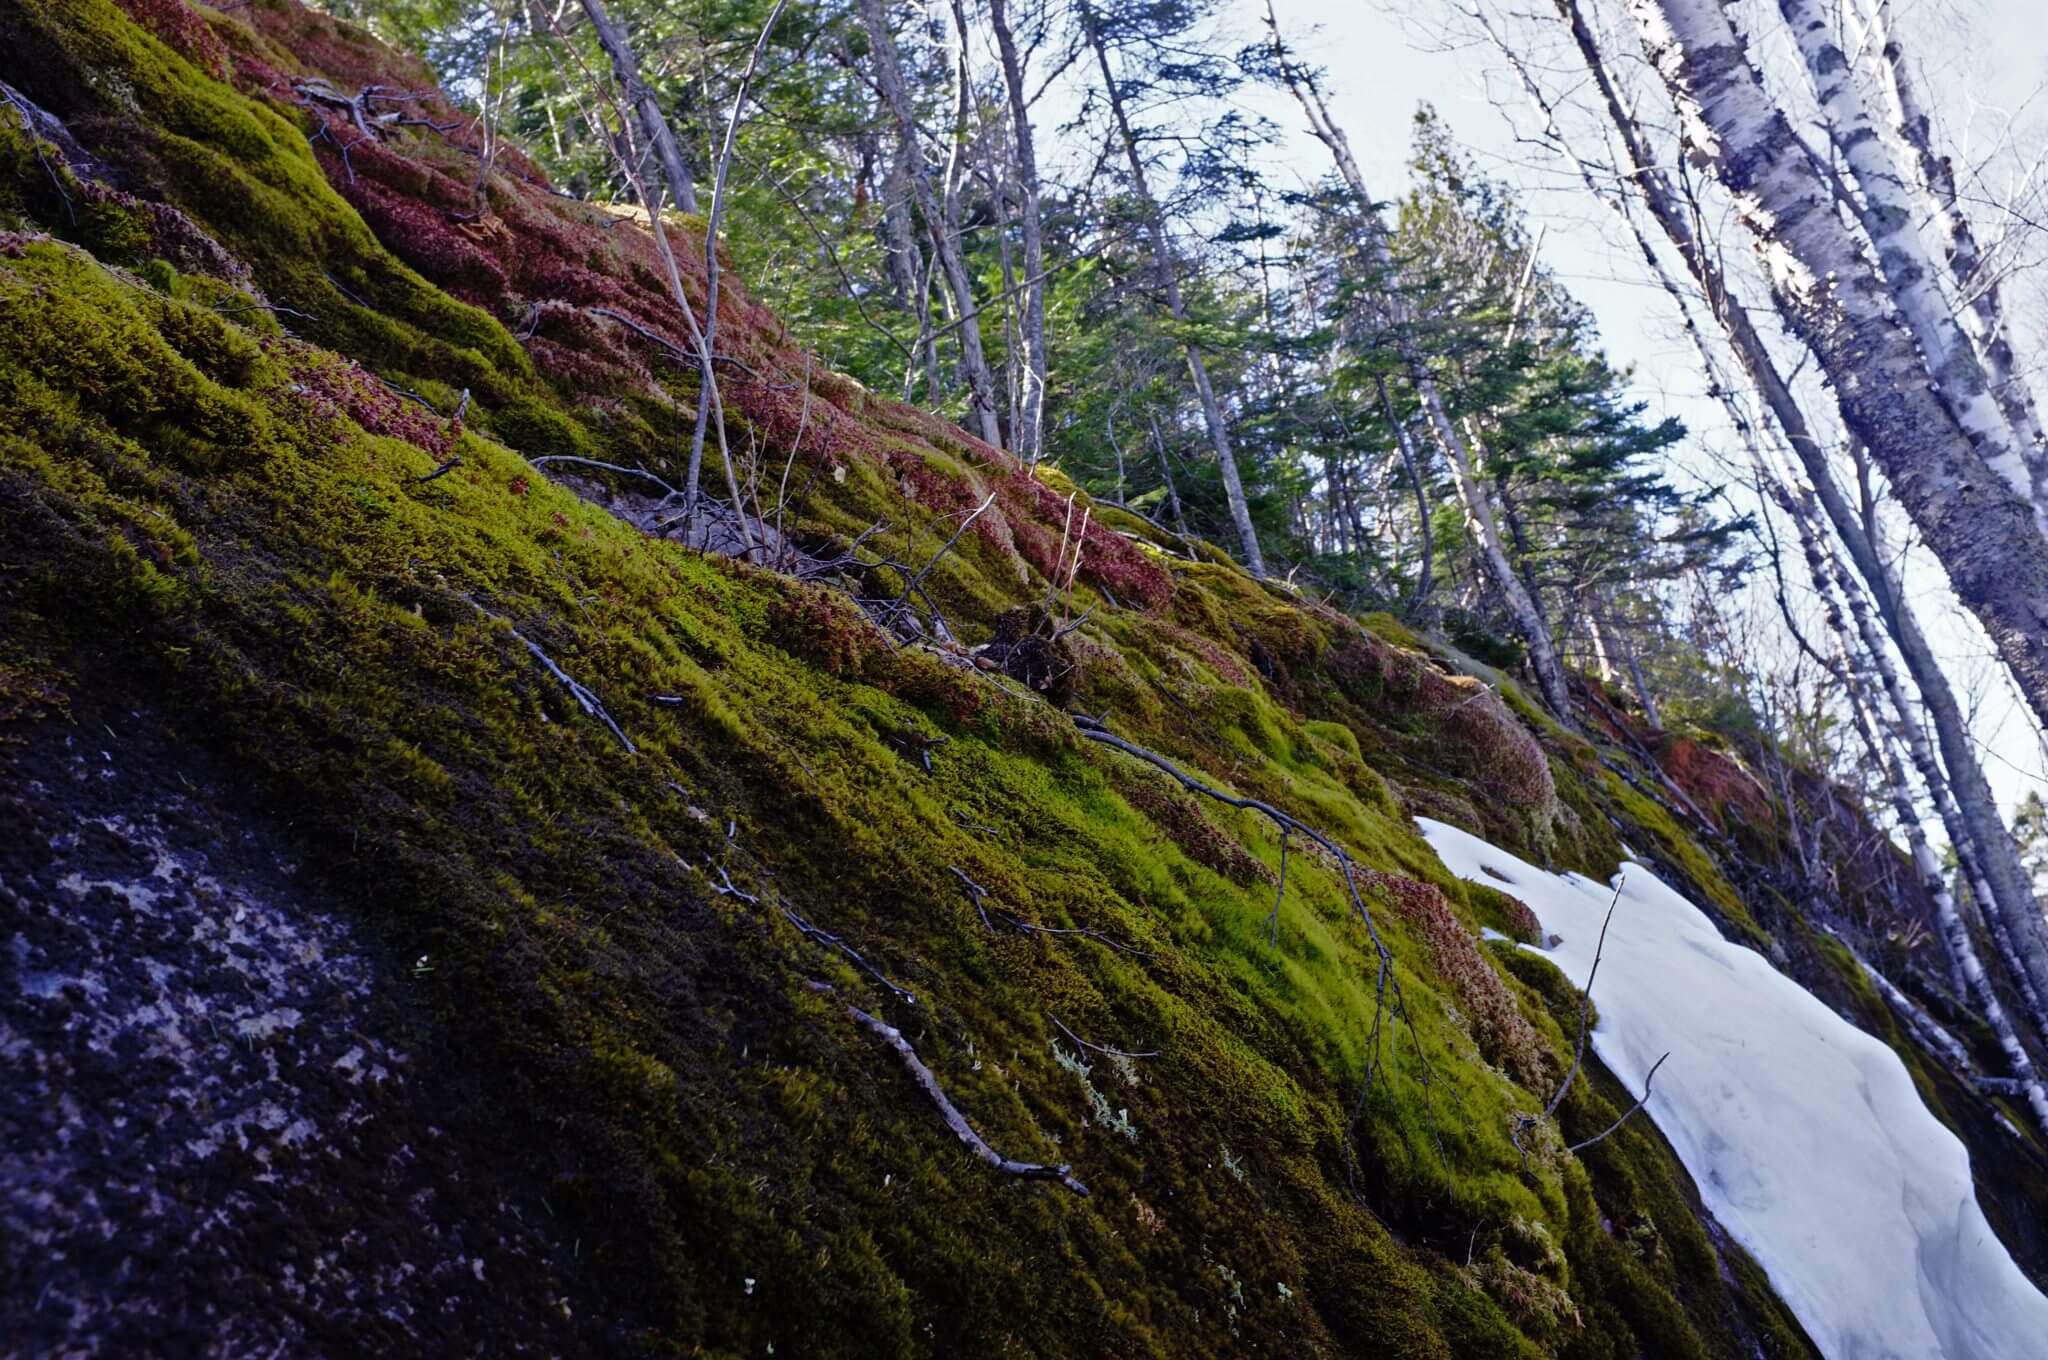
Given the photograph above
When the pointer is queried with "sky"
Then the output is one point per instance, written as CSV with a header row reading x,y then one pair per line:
x,y
1983,64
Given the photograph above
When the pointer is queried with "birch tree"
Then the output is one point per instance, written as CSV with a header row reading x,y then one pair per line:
x,y
1984,533
2007,899
1026,438
1890,217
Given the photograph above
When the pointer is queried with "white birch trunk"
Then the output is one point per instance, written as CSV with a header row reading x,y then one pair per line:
x,y
1984,534
1934,179
1028,439
1910,275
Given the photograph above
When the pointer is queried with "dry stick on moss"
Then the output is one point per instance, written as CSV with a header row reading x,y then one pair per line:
x,y
439,472
582,694
957,1121
1586,1000
29,131
545,458
978,895
926,570
1609,1131
975,893
1107,1052
1273,916
831,941
1385,985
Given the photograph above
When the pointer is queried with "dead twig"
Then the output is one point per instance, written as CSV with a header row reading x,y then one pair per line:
x,y
1386,986
1107,1052
979,896
975,893
439,472
831,941
1586,1000
926,570
1604,1134
957,1121
581,693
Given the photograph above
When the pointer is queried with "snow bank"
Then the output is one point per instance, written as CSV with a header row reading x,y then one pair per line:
x,y
1805,1134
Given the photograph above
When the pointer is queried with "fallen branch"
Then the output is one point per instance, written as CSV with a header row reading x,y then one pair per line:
x,y
978,895
975,893
607,467
1604,1134
957,1121
579,691
1386,986
439,472
1586,1001
831,941
944,548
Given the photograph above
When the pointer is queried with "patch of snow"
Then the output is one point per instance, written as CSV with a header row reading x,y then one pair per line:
x,y
1489,933
1806,1136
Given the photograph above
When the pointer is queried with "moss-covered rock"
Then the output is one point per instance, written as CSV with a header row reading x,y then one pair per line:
x,y
625,828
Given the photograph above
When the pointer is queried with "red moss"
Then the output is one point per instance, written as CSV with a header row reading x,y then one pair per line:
x,y
329,389
1715,782
1503,1033
183,30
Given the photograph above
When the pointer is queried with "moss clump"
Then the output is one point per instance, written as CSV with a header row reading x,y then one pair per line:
x,y
614,929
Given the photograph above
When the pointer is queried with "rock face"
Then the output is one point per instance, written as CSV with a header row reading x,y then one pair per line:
x,y
433,899
214,1140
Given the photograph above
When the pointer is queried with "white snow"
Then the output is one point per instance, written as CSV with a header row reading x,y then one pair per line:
x,y
1806,1136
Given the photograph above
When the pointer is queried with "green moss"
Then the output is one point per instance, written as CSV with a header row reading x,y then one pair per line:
x,y
181,515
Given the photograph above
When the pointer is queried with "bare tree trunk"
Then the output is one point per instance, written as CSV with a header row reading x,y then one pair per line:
x,y
1911,278
1166,474
1176,305
653,124
1474,492
1883,738
1977,808
1974,282
942,225
1984,534
1028,438
1954,933
1413,465
907,267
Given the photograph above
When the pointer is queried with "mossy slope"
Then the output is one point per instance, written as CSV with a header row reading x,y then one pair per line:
x,y
210,494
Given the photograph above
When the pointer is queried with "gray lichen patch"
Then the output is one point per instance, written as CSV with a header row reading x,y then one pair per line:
x,y
209,1142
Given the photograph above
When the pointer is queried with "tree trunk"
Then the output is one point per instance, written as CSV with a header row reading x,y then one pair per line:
x,y
1028,439
2013,901
1935,180
1984,534
942,226
907,267
1169,284
1474,493
653,124
1911,278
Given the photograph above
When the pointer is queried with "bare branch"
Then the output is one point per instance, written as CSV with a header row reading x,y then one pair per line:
x,y
957,1121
